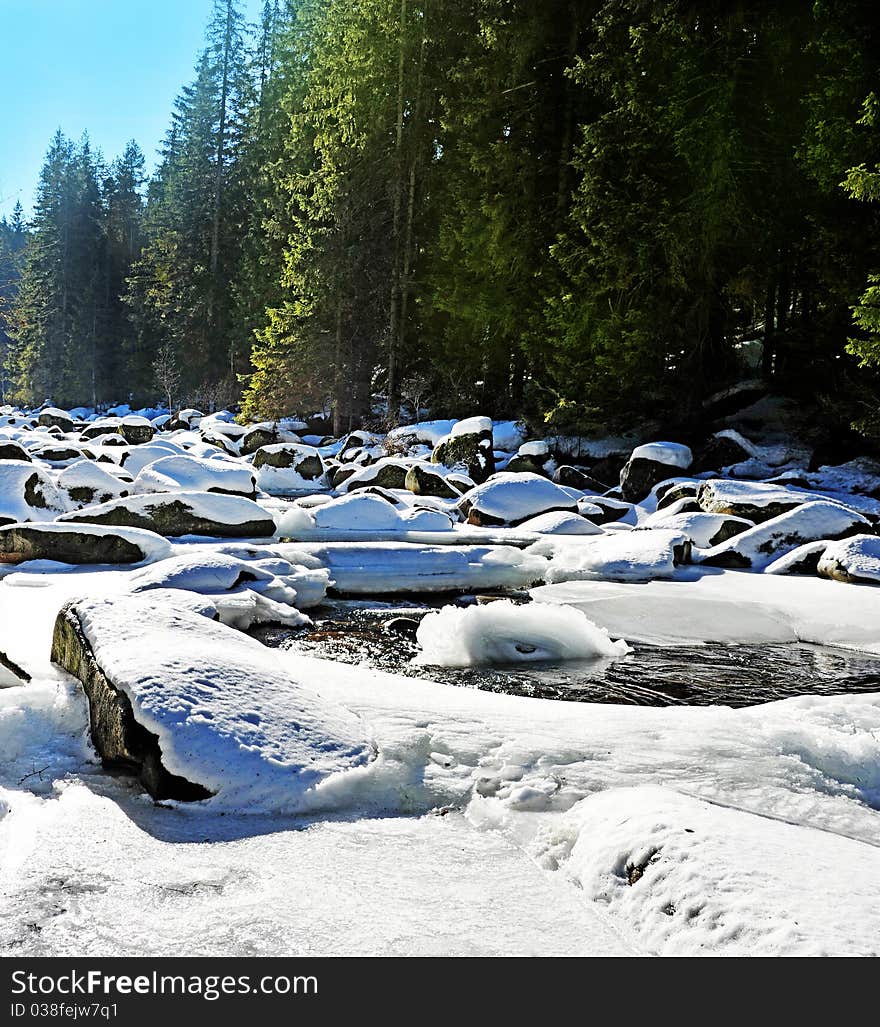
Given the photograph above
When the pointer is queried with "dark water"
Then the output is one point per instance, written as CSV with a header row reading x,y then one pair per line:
x,y
714,674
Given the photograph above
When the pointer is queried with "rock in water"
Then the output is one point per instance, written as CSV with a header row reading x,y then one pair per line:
x,y
197,709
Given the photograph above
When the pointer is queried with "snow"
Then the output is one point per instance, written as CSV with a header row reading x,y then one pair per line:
x,y
227,716
86,474
385,568
728,606
672,453
614,556
366,512
471,426
506,632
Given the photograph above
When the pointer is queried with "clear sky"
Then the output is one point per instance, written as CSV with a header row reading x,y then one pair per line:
x,y
111,67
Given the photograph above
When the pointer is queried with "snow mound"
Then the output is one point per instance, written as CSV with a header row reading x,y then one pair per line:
x,y
506,632
364,511
226,714
660,862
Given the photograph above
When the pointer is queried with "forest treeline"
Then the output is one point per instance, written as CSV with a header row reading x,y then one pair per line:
x,y
574,211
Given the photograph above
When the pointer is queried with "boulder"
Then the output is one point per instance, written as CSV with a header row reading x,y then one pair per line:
x,y
79,544
189,474
575,478
387,473
469,447
855,560
27,493
703,529
103,427
136,430
423,481
173,514
759,546
87,483
723,449
756,501
52,417
649,465
513,498
11,450
304,460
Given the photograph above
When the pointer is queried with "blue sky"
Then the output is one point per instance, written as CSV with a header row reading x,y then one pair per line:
x,y
112,67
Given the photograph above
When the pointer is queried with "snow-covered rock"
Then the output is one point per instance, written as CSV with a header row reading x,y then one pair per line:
x,y
183,513
559,522
506,632
87,483
469,447
27,493
703,529
855,559
617,556
72,542
201,710
366,511
508,498
756,501
650,464
188,474
757,547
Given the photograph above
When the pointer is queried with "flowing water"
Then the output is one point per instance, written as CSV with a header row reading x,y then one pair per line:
x,y
381,635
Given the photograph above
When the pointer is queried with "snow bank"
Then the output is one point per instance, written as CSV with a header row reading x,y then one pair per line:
x,y
506,632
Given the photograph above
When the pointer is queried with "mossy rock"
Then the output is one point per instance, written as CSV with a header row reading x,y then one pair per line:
x,y
423,482
30,542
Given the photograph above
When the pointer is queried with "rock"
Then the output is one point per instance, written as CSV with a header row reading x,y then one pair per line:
x,y
404,626
10,672
288,466
184,420
136,430
120,740
558,522
356,443
78,544
88,483
27,493
703,529
760,545
802,560
173,514
609,509
264,435
423,481
756,501
469,446
723,449
189,474
855,560
671,492
197,709
526,464
52,417
649,465
621,556
93,431
10,450
387,473
513,498
575,478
